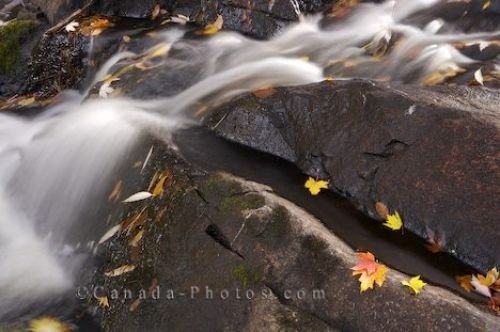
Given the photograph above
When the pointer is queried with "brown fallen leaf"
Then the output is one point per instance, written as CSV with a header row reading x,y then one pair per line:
x,y
382,210
264,92
435,241
134,305
155,12
116,192
94,26
465,282
136,220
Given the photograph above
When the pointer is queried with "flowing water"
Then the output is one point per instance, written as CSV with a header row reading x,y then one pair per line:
x,y
55,164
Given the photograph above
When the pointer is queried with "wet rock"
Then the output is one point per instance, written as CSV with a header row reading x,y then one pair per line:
x,y
17,39
431,154
221,253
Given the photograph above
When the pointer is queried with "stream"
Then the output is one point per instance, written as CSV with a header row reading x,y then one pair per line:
x,y
57,166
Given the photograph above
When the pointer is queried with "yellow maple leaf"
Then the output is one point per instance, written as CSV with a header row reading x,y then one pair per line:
x,y
368,280
214,27
48,324
394,221
103,301
158,190
315,186
490,279
415,284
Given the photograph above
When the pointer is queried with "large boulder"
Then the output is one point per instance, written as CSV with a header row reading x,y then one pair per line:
x,y
216,252
431,154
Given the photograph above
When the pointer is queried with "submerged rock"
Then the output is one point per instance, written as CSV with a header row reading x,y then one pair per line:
x,y
431,154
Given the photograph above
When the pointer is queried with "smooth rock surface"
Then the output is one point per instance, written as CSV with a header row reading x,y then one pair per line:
x,y
431,154
212,232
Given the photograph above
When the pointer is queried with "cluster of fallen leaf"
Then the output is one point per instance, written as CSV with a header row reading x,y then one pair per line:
x,y
372,273
392,221
133,227
488,286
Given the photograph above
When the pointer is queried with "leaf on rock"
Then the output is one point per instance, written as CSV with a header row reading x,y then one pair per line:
x,y
465,282
486,4
71,27
366,262
137,238
103,302
120,270
155,12
214,27
160,185
367,281
478,76
315,186
415,284
95,26
394,221
382,210
116,192
134,305
110,233
148,156
138,197
48,324
106,89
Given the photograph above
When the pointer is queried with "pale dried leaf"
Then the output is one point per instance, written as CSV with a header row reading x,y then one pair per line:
x,y
142,195
110,233
120,270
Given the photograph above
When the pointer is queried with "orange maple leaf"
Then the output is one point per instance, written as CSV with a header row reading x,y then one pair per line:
x,y
465,282
367,281
366,262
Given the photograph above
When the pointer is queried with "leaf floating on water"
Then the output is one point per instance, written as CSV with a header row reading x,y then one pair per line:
x,y
71,27
138,197
103,302
465,282
415,284
110,233
486,4
214,27
48,324
478,76
315,186
120,270
394,221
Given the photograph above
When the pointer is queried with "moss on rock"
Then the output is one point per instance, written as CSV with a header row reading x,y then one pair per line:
x,y
11,38
245,275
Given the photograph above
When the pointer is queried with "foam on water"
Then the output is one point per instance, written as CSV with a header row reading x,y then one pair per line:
x,y
54,164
